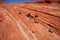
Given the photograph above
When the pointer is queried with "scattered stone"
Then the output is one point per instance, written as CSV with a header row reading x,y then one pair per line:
x,y
36,16
51,30
29,15
33,32
19,13
36,21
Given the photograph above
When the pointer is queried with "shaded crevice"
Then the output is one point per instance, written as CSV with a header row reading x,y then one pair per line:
x,y
33,32
47,1
39,2
43,12
19,13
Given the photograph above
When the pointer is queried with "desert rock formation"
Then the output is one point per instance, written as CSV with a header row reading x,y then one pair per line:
x,y
30,21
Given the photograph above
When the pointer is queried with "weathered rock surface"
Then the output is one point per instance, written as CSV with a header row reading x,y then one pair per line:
x,y
30,21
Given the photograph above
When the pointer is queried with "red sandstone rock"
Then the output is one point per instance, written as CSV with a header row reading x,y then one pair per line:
x,y
17,26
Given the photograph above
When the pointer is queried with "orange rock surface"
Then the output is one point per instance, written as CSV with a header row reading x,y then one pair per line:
x,y
30,21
